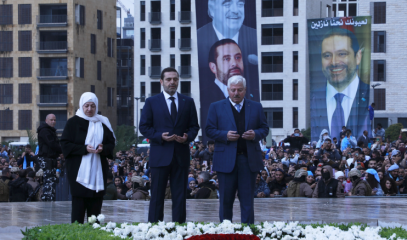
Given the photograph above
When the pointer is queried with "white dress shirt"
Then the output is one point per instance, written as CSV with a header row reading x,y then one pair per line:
x,y
347,101
234,104
220,36
222,87
168,100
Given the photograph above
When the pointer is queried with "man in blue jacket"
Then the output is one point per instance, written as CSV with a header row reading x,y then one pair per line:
x,y
237,125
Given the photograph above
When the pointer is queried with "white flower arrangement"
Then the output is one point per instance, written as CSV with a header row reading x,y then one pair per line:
x,y
265,231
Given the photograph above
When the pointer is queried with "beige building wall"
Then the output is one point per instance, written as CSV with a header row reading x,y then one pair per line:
x,y
78,38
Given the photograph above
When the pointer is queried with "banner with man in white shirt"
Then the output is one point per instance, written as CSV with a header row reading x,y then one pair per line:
x,y
339,66
227,46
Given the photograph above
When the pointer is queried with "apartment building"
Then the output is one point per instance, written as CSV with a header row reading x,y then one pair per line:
x,y
51,51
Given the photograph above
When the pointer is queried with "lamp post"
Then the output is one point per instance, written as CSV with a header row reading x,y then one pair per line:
x,y
137,98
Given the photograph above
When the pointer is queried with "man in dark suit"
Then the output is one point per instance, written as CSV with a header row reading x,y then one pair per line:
x,y
344,99
227,23
170,121
364,138
237,124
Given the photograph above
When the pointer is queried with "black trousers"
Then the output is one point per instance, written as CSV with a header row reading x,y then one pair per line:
x,y
178,176
92,206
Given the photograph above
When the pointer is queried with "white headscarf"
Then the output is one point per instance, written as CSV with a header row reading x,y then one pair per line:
x,y
90,173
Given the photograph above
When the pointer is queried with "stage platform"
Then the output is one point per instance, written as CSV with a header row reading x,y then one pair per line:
x,y
369,210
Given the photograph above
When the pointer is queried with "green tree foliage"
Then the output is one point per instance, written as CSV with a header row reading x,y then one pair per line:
x,y
32,139
306,133
125,137
393,131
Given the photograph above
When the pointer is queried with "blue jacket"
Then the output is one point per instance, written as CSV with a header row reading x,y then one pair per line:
x,y
262,187
221,120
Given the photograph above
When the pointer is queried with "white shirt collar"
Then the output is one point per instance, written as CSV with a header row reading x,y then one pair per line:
x,y
222,87
167,96
220,36
234,104
347,101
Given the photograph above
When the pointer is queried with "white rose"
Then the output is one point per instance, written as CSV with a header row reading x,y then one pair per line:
x,y
101,218
95,225
92,219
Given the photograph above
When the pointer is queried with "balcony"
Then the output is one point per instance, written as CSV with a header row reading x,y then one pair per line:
x,y
125,63
52,47
184,17
272,12
53,101
154,45
271,96
155,17
270,68
153,94
272,40
52,21
184,44
58,73
154,72
184,71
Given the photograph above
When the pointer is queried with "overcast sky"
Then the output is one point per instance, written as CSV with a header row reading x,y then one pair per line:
x,y
129,5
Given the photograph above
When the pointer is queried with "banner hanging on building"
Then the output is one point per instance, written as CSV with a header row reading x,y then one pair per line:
x,y
339,66
227,46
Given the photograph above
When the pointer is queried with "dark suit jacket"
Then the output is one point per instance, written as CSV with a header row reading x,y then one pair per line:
x,y
210,92
364,140
221,120
156,119
358,120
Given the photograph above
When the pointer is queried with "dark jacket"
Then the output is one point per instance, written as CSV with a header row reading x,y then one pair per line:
x,y
207,191
205,155
331,188
4,189
111,192
48,141
73,148
29,159
333,154
296,142
279,186
20,190
261,187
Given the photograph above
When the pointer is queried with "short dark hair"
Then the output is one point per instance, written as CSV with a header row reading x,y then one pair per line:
x,y
334,138
361,143
28,146
168,69
297,129
22,173
345,33
213,53
5,171
211,142
373,104
379,124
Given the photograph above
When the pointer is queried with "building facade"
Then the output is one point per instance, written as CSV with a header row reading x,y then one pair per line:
x,y
51,51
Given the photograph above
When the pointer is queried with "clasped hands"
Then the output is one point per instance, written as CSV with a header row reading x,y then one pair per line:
x,y
174,137
91,149
248,135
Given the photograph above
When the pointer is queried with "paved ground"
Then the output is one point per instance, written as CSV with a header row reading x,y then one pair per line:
x,y
16,216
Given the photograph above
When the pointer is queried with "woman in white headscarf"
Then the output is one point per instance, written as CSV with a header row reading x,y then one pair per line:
x,y
86,142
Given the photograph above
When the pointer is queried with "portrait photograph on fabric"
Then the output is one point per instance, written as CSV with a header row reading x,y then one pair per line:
x,y
339,66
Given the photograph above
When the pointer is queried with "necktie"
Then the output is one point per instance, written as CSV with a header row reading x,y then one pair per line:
x,y
338,118
237,107
173,110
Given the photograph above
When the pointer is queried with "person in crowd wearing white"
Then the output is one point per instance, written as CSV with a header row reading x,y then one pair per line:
x,y
87,140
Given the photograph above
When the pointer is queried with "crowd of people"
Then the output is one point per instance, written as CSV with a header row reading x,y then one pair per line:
x,y
294,167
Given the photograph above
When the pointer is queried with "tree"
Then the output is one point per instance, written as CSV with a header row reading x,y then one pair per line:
x,y
393,131
306,133
125,137
32,140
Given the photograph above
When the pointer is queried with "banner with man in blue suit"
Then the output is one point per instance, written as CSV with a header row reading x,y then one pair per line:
x,y
339,66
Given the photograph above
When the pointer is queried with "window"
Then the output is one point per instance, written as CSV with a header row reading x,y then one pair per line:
x,y
24,41
379,12
295,33
295,61
172,37
185,69
110,47
24,67
110,96
24,120
24,13
383,121
92,88
100,19
53,67
80,14
271,90
6,119
328,11
53,93
6,13
142,91
272,34
142,37
80,67
172,10
172,60
99,70
274,117
380,99
6,67
295,89
6,41
186,88
402,121
272,8
272,62
379,70
295,7
295,117
379,41
155,88
24,93
352,10
142,65
92,43
6,93
61,116
344,9
142,10
155,70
